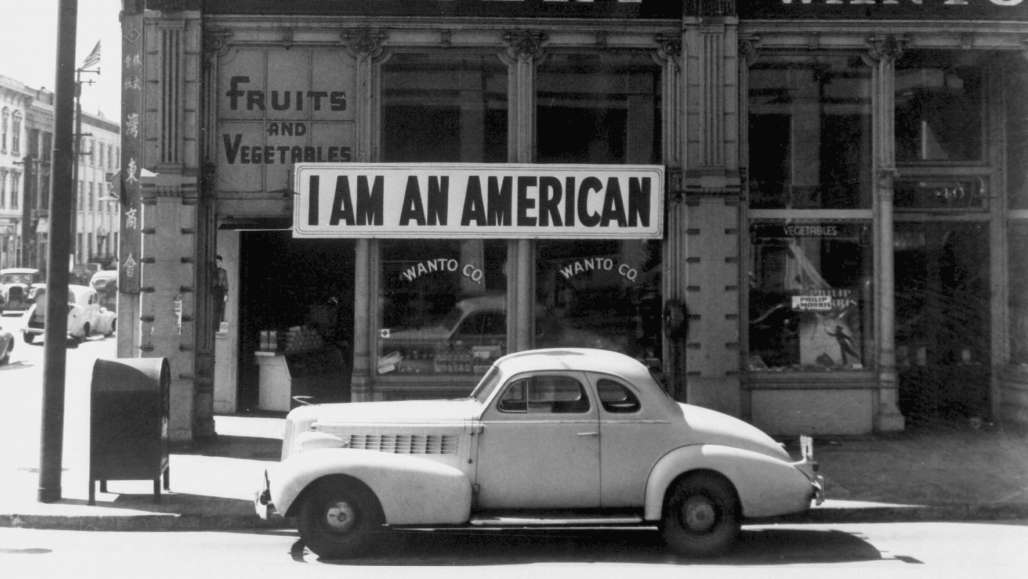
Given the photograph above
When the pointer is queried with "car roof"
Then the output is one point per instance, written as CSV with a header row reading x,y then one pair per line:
x,y
496,302
577,359
19,270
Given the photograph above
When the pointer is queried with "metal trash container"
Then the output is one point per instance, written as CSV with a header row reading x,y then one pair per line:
x,y
129,422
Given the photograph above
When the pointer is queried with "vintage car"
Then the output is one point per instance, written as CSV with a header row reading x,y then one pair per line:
x,y
479,324
586,436
105,282
16,287
85,316
6,345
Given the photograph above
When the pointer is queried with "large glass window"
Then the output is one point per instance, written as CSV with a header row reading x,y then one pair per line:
x,y
810,133
939,107
444,107
1016,122
442,306
1019,293
603,294
810,295
598,108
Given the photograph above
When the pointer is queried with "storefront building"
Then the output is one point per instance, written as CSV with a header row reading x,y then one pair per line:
x,y
806,214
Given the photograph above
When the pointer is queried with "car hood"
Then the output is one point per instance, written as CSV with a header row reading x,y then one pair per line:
x,y
406,412
712,427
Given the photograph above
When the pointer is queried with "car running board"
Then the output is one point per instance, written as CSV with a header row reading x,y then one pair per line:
x,y
556,521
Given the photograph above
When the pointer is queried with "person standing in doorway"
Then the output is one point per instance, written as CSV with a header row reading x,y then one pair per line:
x,y
220,291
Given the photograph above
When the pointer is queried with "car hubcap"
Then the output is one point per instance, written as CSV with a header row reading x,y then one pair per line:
x,y
340,516
698,514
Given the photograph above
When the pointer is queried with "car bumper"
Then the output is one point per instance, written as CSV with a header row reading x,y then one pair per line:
x,y
262,501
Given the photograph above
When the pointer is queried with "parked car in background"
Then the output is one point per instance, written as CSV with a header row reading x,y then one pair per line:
x,y
6,345
85,316
564,432
16,287
105,282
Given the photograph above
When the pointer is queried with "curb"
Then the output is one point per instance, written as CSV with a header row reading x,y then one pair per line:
x,y
167,522
817,515
908,514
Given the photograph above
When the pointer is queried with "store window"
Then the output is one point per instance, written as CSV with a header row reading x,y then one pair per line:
x,y
810,133
598,108
444,107
442,306
1019,293
810,301
1016,121
939,104
601,294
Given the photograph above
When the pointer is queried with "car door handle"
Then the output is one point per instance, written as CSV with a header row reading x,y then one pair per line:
x,y
588,434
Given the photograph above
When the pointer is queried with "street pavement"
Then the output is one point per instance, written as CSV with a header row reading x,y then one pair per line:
x,y
942,472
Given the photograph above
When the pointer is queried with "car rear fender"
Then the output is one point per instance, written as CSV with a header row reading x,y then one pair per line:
x,y
411,490
766,486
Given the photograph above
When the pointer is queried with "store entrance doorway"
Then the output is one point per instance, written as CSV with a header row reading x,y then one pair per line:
x,y
942,320
295,320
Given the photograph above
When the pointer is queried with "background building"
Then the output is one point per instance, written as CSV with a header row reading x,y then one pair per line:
x,y
844,205
25,157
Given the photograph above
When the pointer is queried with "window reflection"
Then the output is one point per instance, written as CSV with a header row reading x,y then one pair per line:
x,y
444,107
600,294
939,107
442,306
810,133
598,108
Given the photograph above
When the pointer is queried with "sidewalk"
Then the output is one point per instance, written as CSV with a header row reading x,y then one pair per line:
x,y
954,473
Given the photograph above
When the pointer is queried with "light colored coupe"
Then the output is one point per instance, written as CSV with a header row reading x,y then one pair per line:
x,y
584,436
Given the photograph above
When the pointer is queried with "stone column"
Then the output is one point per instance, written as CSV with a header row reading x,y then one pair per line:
x,y
523,53
712,198
366,47
882,55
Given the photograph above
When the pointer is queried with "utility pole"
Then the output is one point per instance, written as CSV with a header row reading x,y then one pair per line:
x,y
61,191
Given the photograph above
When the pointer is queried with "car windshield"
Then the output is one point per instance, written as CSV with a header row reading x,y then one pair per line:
x,y
486,385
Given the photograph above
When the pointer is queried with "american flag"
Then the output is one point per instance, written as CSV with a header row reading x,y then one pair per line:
x,y
94,57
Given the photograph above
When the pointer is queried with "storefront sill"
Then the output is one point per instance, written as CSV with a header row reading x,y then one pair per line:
x,y
811,381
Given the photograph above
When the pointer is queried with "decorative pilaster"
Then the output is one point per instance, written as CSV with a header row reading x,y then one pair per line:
x,y
709,247
367,46
523,53
882,55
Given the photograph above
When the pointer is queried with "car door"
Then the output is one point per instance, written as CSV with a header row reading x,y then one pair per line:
x,y
540,445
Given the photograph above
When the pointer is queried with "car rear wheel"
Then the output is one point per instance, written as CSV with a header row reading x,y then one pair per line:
x,y
338,519
701,515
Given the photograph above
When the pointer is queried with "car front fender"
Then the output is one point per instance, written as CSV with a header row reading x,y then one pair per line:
x,y
766,486
411,490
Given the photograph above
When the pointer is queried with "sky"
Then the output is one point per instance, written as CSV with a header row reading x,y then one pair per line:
x,y
28,48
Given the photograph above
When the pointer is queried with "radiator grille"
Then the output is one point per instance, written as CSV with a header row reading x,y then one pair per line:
x,y
404,443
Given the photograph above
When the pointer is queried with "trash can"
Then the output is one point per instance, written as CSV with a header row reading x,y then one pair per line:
x,y
129,422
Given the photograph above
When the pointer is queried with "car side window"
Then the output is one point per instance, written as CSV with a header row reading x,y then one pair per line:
x,y
545,394
483,324
615,397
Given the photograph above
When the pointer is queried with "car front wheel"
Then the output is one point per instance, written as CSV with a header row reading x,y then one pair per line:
x,y
701,515
338,519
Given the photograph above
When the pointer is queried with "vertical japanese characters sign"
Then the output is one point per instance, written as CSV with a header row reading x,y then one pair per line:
x,y
278,106
131,149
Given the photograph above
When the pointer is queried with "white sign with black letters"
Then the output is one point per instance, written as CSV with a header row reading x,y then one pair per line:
x,y
482,200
